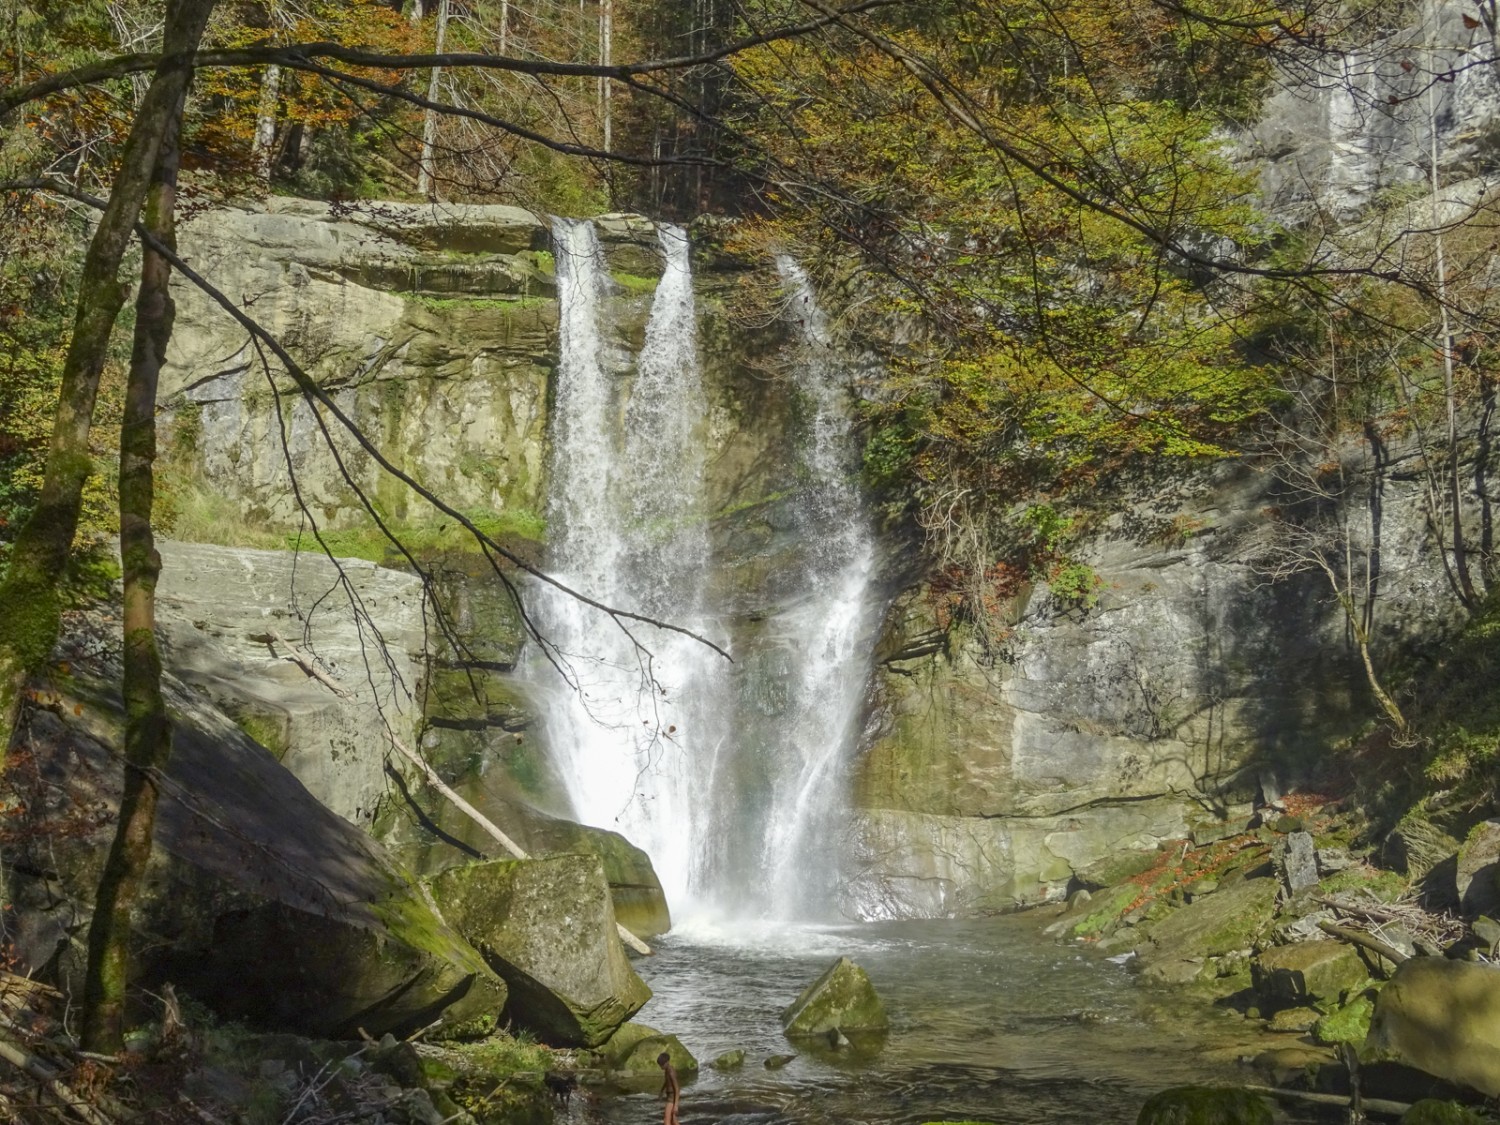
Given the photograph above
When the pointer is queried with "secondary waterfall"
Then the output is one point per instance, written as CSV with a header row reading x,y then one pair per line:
x,y
725,773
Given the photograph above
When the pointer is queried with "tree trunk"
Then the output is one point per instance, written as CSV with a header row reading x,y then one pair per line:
x,y
265,123
1466,591
29,592
606,56
430,119
148,730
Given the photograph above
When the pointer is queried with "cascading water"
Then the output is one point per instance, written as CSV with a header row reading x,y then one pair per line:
x,y
726,774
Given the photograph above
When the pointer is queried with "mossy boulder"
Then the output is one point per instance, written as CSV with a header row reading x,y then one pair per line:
x,y
842,998
1206,1105
1348,1024
642,1056
623,1041
259,900
484,774
1442,1017
547,928
1431,1111
1478,874
1307,972
729,1060
1227,921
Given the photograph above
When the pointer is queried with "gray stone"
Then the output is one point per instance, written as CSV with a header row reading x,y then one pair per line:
x,y
1207,832
1296,861
1478,875
776,1062
1334,859
547,927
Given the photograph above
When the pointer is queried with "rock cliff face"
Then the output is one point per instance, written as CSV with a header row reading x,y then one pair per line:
x,y
1343,130
996,778
985,778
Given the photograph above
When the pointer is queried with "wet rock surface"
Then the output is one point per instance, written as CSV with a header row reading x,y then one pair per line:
x,y
842,999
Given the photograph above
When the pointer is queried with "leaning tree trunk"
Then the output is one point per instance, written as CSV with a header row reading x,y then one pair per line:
x,y
148,731
29,592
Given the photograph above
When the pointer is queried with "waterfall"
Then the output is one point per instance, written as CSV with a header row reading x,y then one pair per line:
x,y
726,774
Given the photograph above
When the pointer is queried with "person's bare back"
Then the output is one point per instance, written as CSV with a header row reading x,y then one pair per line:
x,y
671,1089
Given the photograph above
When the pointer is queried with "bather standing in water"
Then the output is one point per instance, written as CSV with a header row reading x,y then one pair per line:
x,y
671,1089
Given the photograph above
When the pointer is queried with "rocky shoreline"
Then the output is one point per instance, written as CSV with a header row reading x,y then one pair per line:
x,y
1350,980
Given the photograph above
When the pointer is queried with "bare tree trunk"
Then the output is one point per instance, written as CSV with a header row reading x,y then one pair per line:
x,y
265,123
606,51
504,24
29,592
430,120
148,731
1455,495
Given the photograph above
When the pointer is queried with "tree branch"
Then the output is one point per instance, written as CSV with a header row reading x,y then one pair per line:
x,y
300,54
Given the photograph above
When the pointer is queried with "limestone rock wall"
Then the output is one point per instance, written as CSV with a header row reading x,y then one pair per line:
x,y
996,778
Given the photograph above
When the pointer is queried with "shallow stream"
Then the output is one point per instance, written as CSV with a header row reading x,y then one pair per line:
x,y
990,1022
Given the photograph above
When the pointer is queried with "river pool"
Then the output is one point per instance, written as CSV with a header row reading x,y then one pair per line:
x,y
990,1022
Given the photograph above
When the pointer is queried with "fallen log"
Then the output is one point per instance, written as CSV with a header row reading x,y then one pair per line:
x,y
1364,941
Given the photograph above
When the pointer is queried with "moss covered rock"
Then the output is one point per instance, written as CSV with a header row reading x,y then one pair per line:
x,y
547,927
623,1041
1442,1017
642,1056
1206,1105
1215,925
1307,972
1431,1111
1348,1024
259,901
841,998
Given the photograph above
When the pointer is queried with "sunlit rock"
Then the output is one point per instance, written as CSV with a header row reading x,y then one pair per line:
x,y
547,927
841,999
1442,1017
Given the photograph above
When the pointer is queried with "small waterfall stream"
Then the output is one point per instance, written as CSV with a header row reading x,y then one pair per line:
x,y
726,774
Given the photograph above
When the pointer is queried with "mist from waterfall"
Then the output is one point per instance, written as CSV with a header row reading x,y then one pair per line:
x,y
727,774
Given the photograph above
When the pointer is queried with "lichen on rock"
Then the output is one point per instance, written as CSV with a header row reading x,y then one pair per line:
x,y
842,998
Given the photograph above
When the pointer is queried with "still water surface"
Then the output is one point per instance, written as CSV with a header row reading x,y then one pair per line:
x,y
990,1022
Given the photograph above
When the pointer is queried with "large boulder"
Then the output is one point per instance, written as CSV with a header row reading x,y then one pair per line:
x,y
1307,972
548,928
1442,1017
1478,874
635,1047
1225,922
227,617
258,900
841,999
442,837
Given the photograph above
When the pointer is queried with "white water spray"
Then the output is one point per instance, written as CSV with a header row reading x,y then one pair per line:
x,y
728,775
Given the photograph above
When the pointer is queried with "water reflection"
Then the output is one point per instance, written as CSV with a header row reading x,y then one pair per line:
x,y
989,1023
